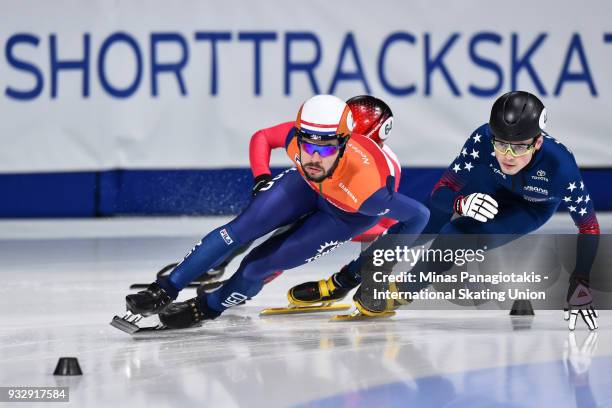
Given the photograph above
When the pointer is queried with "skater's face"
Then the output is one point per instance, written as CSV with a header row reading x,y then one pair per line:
x,y
513,157
318,158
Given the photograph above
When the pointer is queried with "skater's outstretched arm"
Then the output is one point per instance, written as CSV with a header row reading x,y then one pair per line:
x,y
577,200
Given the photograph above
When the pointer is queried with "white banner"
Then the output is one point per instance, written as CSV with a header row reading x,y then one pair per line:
x,y
95,84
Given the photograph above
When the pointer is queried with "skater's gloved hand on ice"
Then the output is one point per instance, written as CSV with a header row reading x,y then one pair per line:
x,y
261,183
580,302
482,207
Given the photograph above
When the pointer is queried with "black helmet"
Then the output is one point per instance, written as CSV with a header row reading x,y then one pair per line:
x,y
517,116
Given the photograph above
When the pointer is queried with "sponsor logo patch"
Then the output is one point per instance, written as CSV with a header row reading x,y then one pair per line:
x,y
347,191
234,299
325,249
498,171
226,237
536,199
540,175
535,189
357,150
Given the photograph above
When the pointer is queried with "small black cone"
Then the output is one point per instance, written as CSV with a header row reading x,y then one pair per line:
x,y
68,366
522,308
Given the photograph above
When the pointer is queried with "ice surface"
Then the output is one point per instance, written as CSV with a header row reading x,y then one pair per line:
x,y
62,281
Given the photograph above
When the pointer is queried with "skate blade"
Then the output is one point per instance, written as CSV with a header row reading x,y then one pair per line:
x,y
128,324
358,316
304,309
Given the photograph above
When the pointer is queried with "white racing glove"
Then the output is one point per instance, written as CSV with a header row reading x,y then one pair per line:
x,y
579,302
482,207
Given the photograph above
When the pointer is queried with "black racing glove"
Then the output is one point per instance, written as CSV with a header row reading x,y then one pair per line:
x,y
262,182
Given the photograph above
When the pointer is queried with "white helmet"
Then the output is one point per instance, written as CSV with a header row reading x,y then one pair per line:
x,y
324,117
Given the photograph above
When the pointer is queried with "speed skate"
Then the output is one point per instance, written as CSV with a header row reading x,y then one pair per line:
x,y
127,324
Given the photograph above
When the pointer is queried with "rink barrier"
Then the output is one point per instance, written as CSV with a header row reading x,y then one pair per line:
x,y
184,192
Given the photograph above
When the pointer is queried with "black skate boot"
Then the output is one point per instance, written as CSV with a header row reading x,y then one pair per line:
x,y
324,291
181,315
149,301
367,306
371,307
311,293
